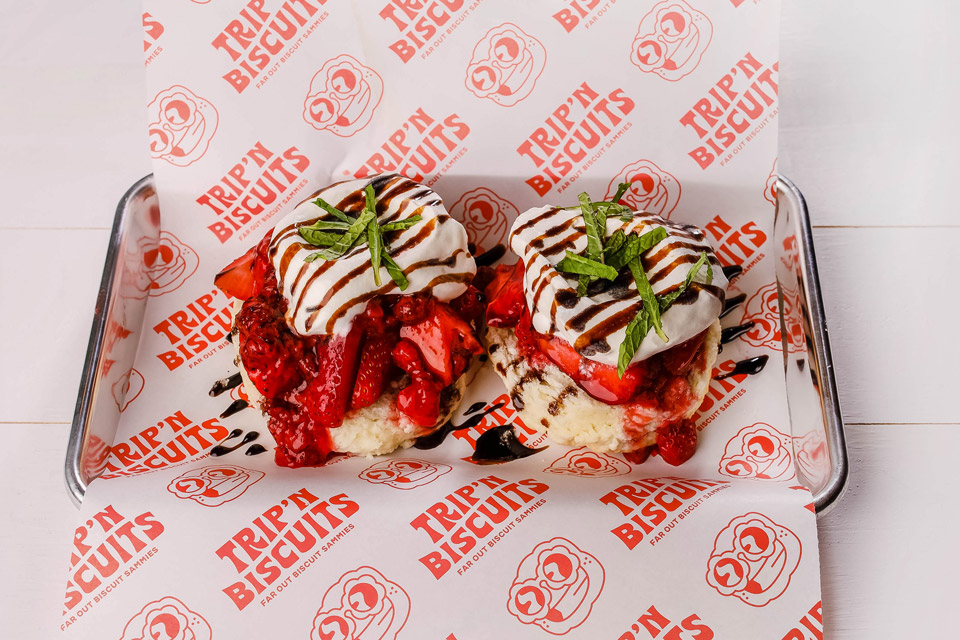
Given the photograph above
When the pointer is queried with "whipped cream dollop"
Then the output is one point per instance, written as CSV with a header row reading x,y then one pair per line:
x,y
596,324
324,296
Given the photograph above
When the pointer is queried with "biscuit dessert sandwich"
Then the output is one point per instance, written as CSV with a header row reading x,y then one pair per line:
x,y
606,331
355,319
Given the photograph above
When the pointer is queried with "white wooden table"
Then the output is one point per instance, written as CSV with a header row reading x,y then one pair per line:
x,y
869,129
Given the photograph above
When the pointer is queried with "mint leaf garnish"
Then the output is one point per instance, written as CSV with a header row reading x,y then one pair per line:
x,y
346,232
586,267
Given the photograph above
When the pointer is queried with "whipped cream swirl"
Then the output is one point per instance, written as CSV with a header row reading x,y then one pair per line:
x,y
596,324
324,296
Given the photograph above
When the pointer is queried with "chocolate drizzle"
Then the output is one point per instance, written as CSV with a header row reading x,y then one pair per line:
x,y
236,406
255,450
499,445
433,440
222,449
732,333
732,303
748,367
732,271
225,384
490,256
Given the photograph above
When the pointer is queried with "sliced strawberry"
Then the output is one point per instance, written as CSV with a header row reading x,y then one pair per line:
x,y
505,299
604,383
677,441
327,396
236,279
248,273
420,401
373,372
438,337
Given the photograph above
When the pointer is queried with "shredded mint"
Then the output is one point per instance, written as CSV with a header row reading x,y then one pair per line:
x,y
579,265
339,236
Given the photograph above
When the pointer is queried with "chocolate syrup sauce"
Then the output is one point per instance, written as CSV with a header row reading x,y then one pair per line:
x,y
732,303
225,384
499,445
488,257
749,367
235,407
434,440
222,449
255,450
732,271
732,333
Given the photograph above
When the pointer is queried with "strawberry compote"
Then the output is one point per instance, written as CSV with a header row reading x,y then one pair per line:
x,y
657,386
414,345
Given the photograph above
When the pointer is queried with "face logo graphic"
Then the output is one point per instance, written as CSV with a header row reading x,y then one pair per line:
x,y
758,451
763,309
214,486
671,40
126,389
588,464
556,586
404,473
505,65
169,264
753,559
343,96
181,126
362,605
485,215
770,189
167,619
651,188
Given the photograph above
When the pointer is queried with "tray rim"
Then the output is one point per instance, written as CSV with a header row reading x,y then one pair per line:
x,y
825,498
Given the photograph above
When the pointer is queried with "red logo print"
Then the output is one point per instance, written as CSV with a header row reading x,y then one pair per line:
x,y
362,605
167,619
556,586
169,264
127,388
404,473
758,451
770,189
213,486
763,309
588,464
485,215
671,40
343,96
753,559
181,126
505,65
651,188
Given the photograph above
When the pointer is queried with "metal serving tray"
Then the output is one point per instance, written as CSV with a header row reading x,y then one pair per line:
x,y
811,386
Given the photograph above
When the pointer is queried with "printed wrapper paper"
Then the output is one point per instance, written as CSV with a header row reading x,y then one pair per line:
x,y
498,107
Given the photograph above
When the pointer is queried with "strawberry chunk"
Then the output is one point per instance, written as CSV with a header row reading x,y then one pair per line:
x,y
470,304
248,273
327,396
505,299
236,279
269,353
373,372
677,441
438,337
420,401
